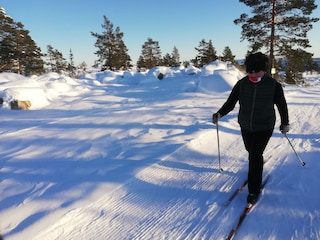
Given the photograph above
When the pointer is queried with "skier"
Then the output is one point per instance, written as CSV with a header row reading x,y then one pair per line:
x,y
257,94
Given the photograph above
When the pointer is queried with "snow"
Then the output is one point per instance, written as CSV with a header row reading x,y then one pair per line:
x,y
124,155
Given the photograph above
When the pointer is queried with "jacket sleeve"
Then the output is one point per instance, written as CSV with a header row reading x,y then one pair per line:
x,y
229,105
281,104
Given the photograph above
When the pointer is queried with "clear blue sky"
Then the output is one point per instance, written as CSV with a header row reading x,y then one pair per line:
x,y
67,24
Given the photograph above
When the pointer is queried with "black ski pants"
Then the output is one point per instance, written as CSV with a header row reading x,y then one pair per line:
x,y
255,143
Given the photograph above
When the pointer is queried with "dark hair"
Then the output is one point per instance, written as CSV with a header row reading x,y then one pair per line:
x,y
256,62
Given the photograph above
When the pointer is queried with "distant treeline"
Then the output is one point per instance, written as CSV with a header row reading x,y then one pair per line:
x,y
20,54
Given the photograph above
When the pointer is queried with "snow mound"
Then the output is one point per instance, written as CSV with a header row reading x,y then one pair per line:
x,y
42,90
36,96
219,77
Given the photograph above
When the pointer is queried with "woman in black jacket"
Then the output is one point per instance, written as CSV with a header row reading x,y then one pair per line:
x,y
257,94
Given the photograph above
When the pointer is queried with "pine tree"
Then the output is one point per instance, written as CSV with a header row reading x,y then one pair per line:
x,y
56,61
150,54
31,61
175,57
206,53
296,62
83,66
18,52
6,41
172,60
112,52
227,56
141,62
71,68
50,57
167,60
278,26
71,63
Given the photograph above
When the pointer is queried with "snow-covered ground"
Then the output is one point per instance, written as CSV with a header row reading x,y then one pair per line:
x,y
123,155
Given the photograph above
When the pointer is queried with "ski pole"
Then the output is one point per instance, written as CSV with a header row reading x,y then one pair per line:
x,y
220,168
302,162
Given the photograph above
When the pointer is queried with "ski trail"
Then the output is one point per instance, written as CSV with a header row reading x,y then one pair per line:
x,y
181,196
166,199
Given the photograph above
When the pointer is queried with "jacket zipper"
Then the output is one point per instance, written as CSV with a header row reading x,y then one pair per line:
x,y
252,107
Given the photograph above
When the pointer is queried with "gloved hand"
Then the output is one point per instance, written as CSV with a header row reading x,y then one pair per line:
x,y
216,117
284,128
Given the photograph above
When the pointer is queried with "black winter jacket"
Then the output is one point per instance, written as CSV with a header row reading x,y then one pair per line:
x,y
257,102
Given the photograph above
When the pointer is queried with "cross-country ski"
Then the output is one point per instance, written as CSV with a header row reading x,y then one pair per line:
x,y
245,212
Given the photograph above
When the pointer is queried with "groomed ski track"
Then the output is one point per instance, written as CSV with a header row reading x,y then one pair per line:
x,y
181,195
